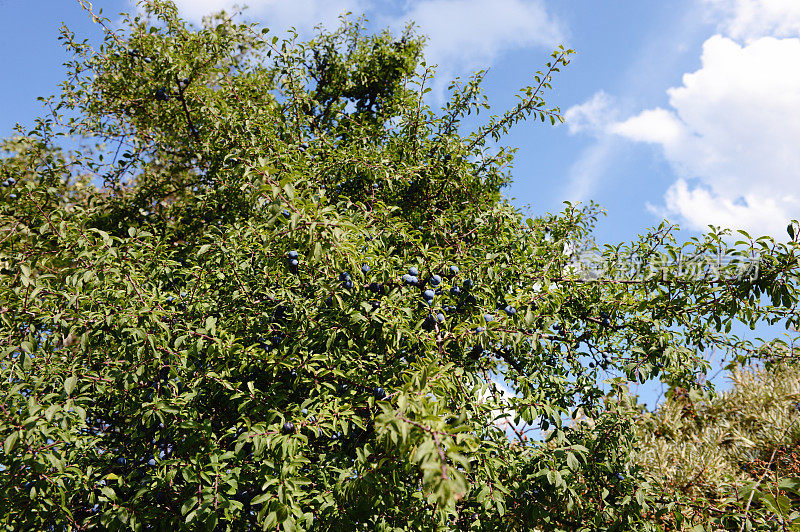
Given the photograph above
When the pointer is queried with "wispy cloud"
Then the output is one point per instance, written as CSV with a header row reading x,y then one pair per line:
x,y
279,15
584,175
751,19
592,116
465,34
462,34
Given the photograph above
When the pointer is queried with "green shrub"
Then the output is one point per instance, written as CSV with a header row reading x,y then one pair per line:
x,y
709,452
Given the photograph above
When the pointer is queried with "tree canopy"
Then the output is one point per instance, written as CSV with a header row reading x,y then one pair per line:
x,y
261,283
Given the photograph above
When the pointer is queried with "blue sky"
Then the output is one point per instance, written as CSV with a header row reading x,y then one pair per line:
x,y
687,109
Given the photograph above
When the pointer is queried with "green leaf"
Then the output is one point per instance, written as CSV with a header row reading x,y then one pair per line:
x,y
11,440
69,384
188,504
259,499
572,462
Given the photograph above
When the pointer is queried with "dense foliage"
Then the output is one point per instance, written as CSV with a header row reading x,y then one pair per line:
x,y
730,461
299,300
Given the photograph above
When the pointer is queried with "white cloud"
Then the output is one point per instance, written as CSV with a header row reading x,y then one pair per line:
x,y
592,116
650,67
751,19
733,126
654,125
730,130
278,15
584,175
756,213
465,34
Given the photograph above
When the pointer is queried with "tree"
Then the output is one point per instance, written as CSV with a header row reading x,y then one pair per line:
x,y
300,300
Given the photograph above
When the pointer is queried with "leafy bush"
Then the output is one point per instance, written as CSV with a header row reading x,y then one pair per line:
x,y
730,457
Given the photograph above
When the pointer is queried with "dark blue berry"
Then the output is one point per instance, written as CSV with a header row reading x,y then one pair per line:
x,y
162,95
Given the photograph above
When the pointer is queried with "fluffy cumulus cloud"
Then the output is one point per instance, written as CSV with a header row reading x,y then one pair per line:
x,y
653,125
730,131
757,213
733,129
